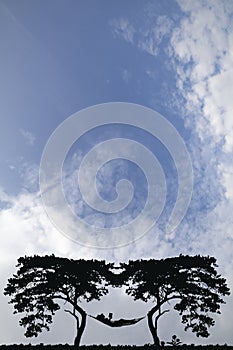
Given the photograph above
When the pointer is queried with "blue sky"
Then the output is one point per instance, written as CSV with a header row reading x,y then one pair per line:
x,y
59,57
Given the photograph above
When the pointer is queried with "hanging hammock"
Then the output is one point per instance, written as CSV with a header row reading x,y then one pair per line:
x,y
117,323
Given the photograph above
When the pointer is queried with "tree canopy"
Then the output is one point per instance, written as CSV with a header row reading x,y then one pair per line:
x,y
42,280
192,282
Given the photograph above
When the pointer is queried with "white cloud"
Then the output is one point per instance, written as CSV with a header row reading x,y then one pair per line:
x,y
126,76
151,39
26,230
28,136
27,172
202,46
203,49
123,28
147,39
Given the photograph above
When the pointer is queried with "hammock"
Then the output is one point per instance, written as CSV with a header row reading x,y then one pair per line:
x,y
117,323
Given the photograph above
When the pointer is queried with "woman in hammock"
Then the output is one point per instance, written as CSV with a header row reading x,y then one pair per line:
x,y
117,323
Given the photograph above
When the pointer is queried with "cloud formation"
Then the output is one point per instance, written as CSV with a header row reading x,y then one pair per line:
x,y
28,136
200,48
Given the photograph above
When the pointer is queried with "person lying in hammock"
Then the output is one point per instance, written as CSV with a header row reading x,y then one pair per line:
x,y
101,317
117,323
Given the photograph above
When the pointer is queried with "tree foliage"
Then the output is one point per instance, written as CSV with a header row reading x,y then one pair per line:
x,y
41,281
192,282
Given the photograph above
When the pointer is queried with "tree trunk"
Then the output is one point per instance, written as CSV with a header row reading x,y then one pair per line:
x,y
153,329
80,329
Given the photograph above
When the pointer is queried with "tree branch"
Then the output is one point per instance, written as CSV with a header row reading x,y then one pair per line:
x,y
174,297
158,316
157,306
59,297
76,306
73,314
162,313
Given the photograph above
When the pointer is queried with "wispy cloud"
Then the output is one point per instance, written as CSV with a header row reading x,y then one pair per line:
x,y
202,47
28,136
200,52
126,75
151,39
147,38
123,28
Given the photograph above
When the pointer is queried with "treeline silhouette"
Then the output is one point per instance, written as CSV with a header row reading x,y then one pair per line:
x,y
191,282
112,347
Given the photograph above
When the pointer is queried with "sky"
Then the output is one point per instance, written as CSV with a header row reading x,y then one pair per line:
x,y
134,96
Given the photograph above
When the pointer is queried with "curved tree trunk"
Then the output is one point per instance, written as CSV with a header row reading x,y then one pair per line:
x,y
80,328
153,328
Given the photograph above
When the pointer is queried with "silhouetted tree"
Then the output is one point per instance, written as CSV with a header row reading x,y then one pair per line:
x,y
191,280
41,281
